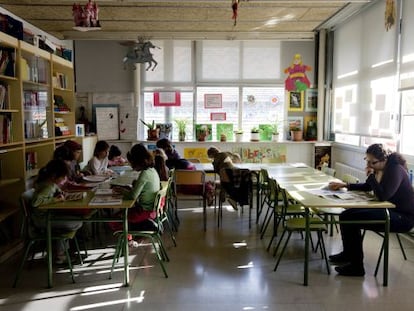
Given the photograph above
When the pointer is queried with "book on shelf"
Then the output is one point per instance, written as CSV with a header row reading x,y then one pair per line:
x,y
7,61
5,128
4,101
106,200
31,160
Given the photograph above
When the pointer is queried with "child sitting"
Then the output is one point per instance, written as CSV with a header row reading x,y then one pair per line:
x,y
115,157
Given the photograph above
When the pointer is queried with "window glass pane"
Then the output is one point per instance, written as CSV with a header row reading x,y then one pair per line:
x,y
229,107
261,60
220,60
407,122
263,105
174,60
168,114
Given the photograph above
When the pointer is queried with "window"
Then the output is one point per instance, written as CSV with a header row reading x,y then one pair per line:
x,y
364,99
237,85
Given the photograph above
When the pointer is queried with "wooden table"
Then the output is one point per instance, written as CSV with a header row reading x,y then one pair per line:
x,y
82,204
304,183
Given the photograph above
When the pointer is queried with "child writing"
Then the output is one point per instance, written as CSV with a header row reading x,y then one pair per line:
x,y
98,165
46,191
115,157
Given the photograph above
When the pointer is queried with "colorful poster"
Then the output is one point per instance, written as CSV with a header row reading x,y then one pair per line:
x,y
225,129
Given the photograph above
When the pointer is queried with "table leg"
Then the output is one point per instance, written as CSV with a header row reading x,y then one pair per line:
x,y
307,238
49,250
386,246
126,250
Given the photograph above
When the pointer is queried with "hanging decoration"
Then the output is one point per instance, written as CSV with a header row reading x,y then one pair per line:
x,y
389,14
235,7
140,54
297,80
86,18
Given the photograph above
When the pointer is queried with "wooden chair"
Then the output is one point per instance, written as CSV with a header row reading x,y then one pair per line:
x,y
239,188
33,235
190,185
154,235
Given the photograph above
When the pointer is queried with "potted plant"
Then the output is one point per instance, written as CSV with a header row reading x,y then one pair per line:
x,y
275,132
153,133
296,133
239,135
181,124
255,134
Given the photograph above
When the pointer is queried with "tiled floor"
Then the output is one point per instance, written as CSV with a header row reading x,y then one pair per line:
x,y
222,269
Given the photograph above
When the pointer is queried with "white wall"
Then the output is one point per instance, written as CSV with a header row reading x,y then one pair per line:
x,y
99,67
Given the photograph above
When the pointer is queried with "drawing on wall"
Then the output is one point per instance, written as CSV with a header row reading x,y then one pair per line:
x,y
204,132
276,154
197,153
106,118
311,102
224,129
295,101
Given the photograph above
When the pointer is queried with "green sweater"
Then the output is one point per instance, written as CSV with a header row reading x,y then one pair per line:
x,y
145,189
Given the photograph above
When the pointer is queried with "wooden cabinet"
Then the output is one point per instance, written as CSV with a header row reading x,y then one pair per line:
x,y
36,113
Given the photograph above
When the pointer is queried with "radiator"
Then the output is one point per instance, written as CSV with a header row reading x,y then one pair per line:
x,y
342,169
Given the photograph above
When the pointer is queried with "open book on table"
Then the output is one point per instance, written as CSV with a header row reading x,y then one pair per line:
x,y
106,200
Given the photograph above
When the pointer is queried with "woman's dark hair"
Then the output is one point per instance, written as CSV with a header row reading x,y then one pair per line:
x,y
163,143
54,169
379,152
100,146
63,153
160,167
72,145
114,151
140,156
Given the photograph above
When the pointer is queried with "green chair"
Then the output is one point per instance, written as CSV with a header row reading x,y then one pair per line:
x,y
33,235
153,235
298,224
277,204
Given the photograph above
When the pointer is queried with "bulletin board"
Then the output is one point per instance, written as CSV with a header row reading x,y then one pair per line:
x,y
106,120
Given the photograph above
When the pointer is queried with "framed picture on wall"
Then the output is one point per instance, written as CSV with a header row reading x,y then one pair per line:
x,y
295,101
311,102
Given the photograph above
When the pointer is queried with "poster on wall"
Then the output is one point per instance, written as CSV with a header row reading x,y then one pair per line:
x,y
212,101
218,116
167,99
322,156
106,120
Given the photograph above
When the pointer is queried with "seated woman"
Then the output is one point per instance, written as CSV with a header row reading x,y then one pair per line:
x,y
98,165
174,159
47,191
115,157
144,190
387,177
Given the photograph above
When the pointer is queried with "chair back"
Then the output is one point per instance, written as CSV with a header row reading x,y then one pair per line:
x,y
190,182
28,227
328,171
348,178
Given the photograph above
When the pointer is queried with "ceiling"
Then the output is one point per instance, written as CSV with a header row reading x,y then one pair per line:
x,y
182,19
